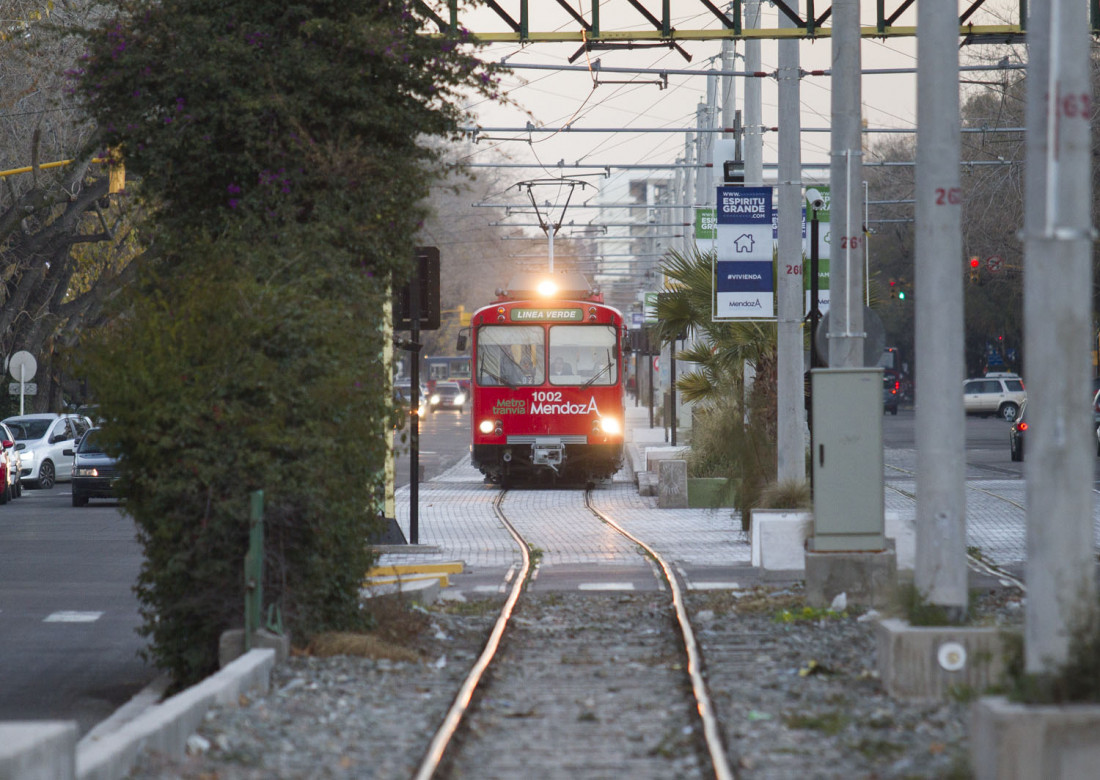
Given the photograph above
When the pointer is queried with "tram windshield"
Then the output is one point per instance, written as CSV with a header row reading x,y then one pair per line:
x,y
510,355
583,355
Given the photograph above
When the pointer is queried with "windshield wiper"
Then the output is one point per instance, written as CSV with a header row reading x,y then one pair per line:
x,y
499,379
597,375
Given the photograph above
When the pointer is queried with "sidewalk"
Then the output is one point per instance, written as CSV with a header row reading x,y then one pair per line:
x,y
457,521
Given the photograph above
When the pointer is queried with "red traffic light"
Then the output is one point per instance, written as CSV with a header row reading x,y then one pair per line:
x,y
974,262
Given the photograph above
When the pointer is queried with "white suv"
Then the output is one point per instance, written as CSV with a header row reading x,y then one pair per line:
x,y
41,440
996,393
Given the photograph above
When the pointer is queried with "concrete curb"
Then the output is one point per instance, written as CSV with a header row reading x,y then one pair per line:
x,y
165,727
30,750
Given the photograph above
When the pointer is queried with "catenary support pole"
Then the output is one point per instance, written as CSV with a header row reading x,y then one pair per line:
x,y
414,388
1058,240
940,568
754,134
790,410
846,334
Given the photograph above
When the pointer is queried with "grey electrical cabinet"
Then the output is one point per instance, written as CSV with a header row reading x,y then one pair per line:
x,y
849,509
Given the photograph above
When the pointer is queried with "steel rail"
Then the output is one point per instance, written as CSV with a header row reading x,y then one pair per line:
x,y
461,704
975,562
711,733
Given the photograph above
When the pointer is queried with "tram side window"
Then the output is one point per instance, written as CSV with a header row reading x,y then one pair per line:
x,y
510,355
583,355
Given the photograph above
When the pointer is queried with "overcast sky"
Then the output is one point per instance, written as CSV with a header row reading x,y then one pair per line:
x,y
555,98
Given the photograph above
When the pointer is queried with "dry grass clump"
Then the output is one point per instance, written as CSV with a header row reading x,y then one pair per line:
x,y
397,634
359,645
787,494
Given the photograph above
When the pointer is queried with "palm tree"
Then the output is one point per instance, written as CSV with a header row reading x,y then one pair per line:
x,y
737,437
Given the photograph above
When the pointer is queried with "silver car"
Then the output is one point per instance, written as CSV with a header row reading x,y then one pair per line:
x,y
41,441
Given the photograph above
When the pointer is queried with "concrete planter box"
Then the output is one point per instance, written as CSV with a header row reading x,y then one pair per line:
x,y
1010,741
708,493
779,538
925,663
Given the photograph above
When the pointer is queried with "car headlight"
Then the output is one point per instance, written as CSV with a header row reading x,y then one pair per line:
x,y
435,399
611,426
85,471
460,399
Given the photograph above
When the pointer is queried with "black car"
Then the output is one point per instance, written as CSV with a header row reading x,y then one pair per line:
x,y
1016,434
94,471
891,392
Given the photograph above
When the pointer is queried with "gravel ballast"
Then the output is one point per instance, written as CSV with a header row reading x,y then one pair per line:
x,y
796,692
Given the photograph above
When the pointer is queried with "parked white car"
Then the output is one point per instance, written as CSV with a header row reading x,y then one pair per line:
x,y
996,393
41,441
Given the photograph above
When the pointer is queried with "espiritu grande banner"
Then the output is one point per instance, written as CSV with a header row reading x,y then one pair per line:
x,y
744,281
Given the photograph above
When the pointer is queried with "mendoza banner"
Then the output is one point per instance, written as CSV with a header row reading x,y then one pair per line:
x,y
744,279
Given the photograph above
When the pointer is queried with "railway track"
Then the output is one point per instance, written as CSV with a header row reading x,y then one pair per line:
x,y
558,687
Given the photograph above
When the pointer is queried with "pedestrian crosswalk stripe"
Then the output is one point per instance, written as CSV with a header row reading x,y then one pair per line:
x,y
714,586
73,617
606,586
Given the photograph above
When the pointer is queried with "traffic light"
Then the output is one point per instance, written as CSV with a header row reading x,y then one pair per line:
x,y
901,295
975,270
893,289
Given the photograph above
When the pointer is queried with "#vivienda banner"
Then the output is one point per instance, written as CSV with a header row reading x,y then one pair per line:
x,y
744,284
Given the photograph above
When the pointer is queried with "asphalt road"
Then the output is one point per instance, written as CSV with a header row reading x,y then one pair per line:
x,y
444,441
68,647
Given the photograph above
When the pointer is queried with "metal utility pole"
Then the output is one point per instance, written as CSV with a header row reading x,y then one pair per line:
x,y
689,185
846,335
1058,240
729,84
702,177
754,141
940,567
790,387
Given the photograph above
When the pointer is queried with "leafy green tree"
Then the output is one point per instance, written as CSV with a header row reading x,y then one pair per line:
x,y
284,150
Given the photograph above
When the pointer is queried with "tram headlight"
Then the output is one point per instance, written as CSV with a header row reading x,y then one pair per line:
x,y
486,426
611,426
547,288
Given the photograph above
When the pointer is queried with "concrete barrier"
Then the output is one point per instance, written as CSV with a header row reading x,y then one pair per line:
x,y
929,663
778,538
672,484
38,750
165,727
1010,741
654,455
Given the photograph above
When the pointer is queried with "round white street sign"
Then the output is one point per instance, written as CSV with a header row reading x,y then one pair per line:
x,y
952,656
22,360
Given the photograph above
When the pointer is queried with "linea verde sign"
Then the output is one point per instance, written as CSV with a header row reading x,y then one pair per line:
x,y
554,315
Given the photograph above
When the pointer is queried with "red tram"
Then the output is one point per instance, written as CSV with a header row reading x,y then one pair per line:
x,y
548,382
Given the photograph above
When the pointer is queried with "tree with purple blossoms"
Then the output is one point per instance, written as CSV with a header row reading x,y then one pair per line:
x,y
283,151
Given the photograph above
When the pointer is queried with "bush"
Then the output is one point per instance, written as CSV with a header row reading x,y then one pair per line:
x,y
724,445
231,380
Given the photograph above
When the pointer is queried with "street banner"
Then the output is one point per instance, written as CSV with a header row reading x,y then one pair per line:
x,y
744,271
706,229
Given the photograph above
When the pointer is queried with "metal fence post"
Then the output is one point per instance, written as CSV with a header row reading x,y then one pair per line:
x,y
254,570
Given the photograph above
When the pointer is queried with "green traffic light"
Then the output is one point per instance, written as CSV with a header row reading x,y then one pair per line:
x,y
901,295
